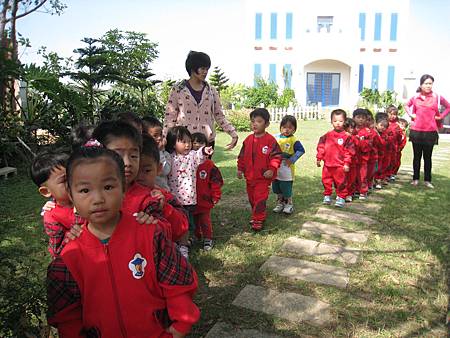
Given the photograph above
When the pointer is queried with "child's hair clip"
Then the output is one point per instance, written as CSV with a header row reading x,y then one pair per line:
x,y
93,143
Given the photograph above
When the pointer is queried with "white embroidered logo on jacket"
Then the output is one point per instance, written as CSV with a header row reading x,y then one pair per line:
x,y
137,266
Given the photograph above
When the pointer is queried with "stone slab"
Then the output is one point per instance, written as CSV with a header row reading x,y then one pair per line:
x,y
298,269
364,206
335,215
223,330
5,171
308,247
335,231
287,305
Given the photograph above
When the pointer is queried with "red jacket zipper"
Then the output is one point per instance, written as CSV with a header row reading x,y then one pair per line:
x,y
116,298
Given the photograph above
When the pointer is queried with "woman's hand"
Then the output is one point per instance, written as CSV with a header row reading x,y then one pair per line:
x,y
234,141
437,117
413,117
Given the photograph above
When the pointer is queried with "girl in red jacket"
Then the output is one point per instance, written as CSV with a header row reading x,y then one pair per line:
x,y
119,278
209,184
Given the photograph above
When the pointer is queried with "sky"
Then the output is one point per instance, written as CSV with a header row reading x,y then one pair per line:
x,y
213,26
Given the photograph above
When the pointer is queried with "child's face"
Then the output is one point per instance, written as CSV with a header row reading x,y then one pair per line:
x,y
393,115
97,191
337,121
196,145
157,134
183,146
360,120
350,130
370,123
380,127
258,125
149,169
55,186
287,129
129,151
403,125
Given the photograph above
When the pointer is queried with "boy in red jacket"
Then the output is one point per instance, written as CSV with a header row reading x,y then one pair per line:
x,y
403,125
396,135
258,161
336,150
209,183
381,124
349,127
363,150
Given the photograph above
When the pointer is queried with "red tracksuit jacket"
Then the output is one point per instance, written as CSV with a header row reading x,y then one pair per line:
x,y
134,286
364,147
257,155
209,184
336,149
394,137
379,145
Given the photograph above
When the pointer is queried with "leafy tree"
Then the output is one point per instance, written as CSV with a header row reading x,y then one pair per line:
x,y
264,93
218,79
375,101
233,96
286,98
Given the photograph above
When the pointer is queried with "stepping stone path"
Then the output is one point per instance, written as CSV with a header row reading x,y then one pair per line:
x,y
335,215
364,206
308,247
222,330
334,231
287,305
297,269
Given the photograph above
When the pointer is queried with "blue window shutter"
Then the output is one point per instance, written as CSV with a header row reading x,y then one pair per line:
x,y
377,32
256,72
288,26
287,69
273,73
362,25
375,76
394,23
273,26
258,26
390,78
361,78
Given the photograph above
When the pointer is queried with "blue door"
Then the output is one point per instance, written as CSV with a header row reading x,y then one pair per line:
x,y
323,87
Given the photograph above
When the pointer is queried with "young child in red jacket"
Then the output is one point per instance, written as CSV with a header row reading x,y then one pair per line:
x,y
373,157
119,277
381,124
397,136
258,161
349,127
398,160
209,184
336,150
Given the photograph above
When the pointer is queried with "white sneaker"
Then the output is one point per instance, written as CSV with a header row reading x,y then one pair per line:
x,y
349,199
184,251
207,244
428,185
415,183
326,200
340,202
288,209
378,186
362,197
278,208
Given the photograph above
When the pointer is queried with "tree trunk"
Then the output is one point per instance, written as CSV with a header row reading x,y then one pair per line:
x,y
3,51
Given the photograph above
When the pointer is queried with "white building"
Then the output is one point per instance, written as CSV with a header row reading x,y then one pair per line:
x,y
328,50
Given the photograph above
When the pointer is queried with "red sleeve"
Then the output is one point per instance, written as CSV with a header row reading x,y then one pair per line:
x,y
349,151
216,183
174,213
241,158
178,282
55,231
274,157
321,148
63,300
363,141
444,103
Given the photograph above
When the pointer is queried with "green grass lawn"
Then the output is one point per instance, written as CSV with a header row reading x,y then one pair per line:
x,y
397,289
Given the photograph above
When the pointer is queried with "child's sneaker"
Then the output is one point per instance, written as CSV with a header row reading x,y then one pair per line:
x,y
278,208
378,186
349,199
326,200
340,202
207,244
362,197
288,209
392,178
184,250
257,225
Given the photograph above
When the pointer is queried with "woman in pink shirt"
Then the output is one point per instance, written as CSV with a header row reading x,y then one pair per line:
x,y
423,108
195,104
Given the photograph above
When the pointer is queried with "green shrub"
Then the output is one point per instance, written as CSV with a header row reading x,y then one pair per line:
x,y
240,119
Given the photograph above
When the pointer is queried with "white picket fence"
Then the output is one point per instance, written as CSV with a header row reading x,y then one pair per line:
x,y
299,112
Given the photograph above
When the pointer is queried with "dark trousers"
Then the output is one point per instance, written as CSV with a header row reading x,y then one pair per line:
x,y
426,150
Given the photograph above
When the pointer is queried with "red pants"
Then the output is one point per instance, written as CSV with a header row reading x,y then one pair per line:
x,y
384,165
397,163
258,192
203,226
362,186
370,172
336,176
351,180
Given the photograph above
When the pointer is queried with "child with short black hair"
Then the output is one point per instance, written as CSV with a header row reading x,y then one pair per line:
x,y
119,276
336,150
153,127
381,124
349,127
292,150
258,161
395,136
209,184
48,172
363,150
130,118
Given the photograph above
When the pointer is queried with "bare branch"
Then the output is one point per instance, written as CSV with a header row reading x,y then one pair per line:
x,y
29,11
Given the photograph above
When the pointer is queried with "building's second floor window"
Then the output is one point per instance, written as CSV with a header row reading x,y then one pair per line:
x,y
394,23
258,26
377,31
324,23
288,26
273,26
362,26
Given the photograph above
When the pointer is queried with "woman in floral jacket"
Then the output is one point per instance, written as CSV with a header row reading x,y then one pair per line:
x,y
195,104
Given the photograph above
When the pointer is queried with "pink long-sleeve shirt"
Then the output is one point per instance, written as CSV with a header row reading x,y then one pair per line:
x,y
426,108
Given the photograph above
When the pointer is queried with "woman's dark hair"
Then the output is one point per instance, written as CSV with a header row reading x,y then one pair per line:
x,y
289,119
200,138
349,123
261,112
338,112
80,135
88,154
150,148
196,60
175,134
423,78
108,130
